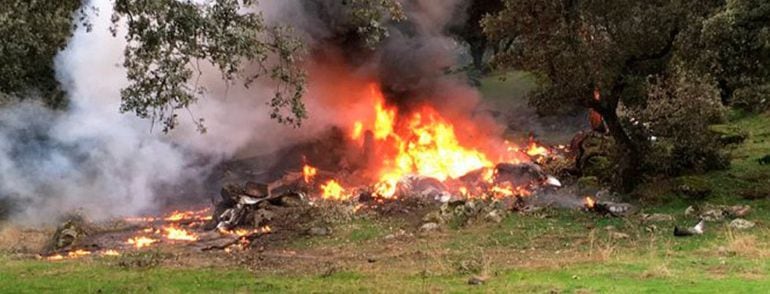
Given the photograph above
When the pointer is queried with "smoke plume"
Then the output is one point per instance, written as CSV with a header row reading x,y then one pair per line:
x,y
96,160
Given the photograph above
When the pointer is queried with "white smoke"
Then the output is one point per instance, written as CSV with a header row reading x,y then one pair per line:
x,y
93,159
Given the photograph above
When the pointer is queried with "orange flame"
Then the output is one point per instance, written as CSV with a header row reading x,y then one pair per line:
x,y
175,233
308,173
188,215
333,190
536,150
589,202
426,144
140,242
110,252
358,129
244,232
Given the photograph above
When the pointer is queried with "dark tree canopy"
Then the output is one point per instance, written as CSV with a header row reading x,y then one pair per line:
x,y
32,32
733,45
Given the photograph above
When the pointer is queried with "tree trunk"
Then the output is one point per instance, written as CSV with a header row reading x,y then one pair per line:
x,y
630,153
478,47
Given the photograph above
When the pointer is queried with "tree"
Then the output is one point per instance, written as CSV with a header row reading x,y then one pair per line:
x,y
33,32
471,31
733,45
167,39
598,55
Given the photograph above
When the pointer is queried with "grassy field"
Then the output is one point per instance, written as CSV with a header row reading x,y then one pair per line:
x,y
549,251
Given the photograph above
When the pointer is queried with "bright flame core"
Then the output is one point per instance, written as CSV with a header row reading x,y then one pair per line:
x,y
308,173
176,233
422,143
333,190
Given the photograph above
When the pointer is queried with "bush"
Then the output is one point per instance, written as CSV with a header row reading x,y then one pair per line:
x,y
676,119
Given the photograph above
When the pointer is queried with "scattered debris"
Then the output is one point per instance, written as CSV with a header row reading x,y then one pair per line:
x,y
741,224
609,208
715,213
695,230
68,233
657,217
494,216
429,227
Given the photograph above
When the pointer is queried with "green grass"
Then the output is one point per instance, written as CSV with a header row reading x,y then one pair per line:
x,y
91,276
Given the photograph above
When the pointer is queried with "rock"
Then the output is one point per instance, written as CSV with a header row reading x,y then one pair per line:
x,y
738,211
428,227
713,215
741,224
494,216
433,217
477,280
657,217
319,231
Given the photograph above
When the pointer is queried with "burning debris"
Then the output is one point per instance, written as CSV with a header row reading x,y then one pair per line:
x,y
395,158
608,208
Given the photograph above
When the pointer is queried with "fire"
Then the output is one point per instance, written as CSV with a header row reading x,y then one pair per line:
x,y
245,232
176,233
308,173
358,129
140,242
110,253
188,215
536,150
70,255
422,143
333,190
384,118
55,257
589,202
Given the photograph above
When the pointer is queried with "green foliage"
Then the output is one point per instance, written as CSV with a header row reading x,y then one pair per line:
x,y
33,32
369,18
733,45
168,39
678,112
